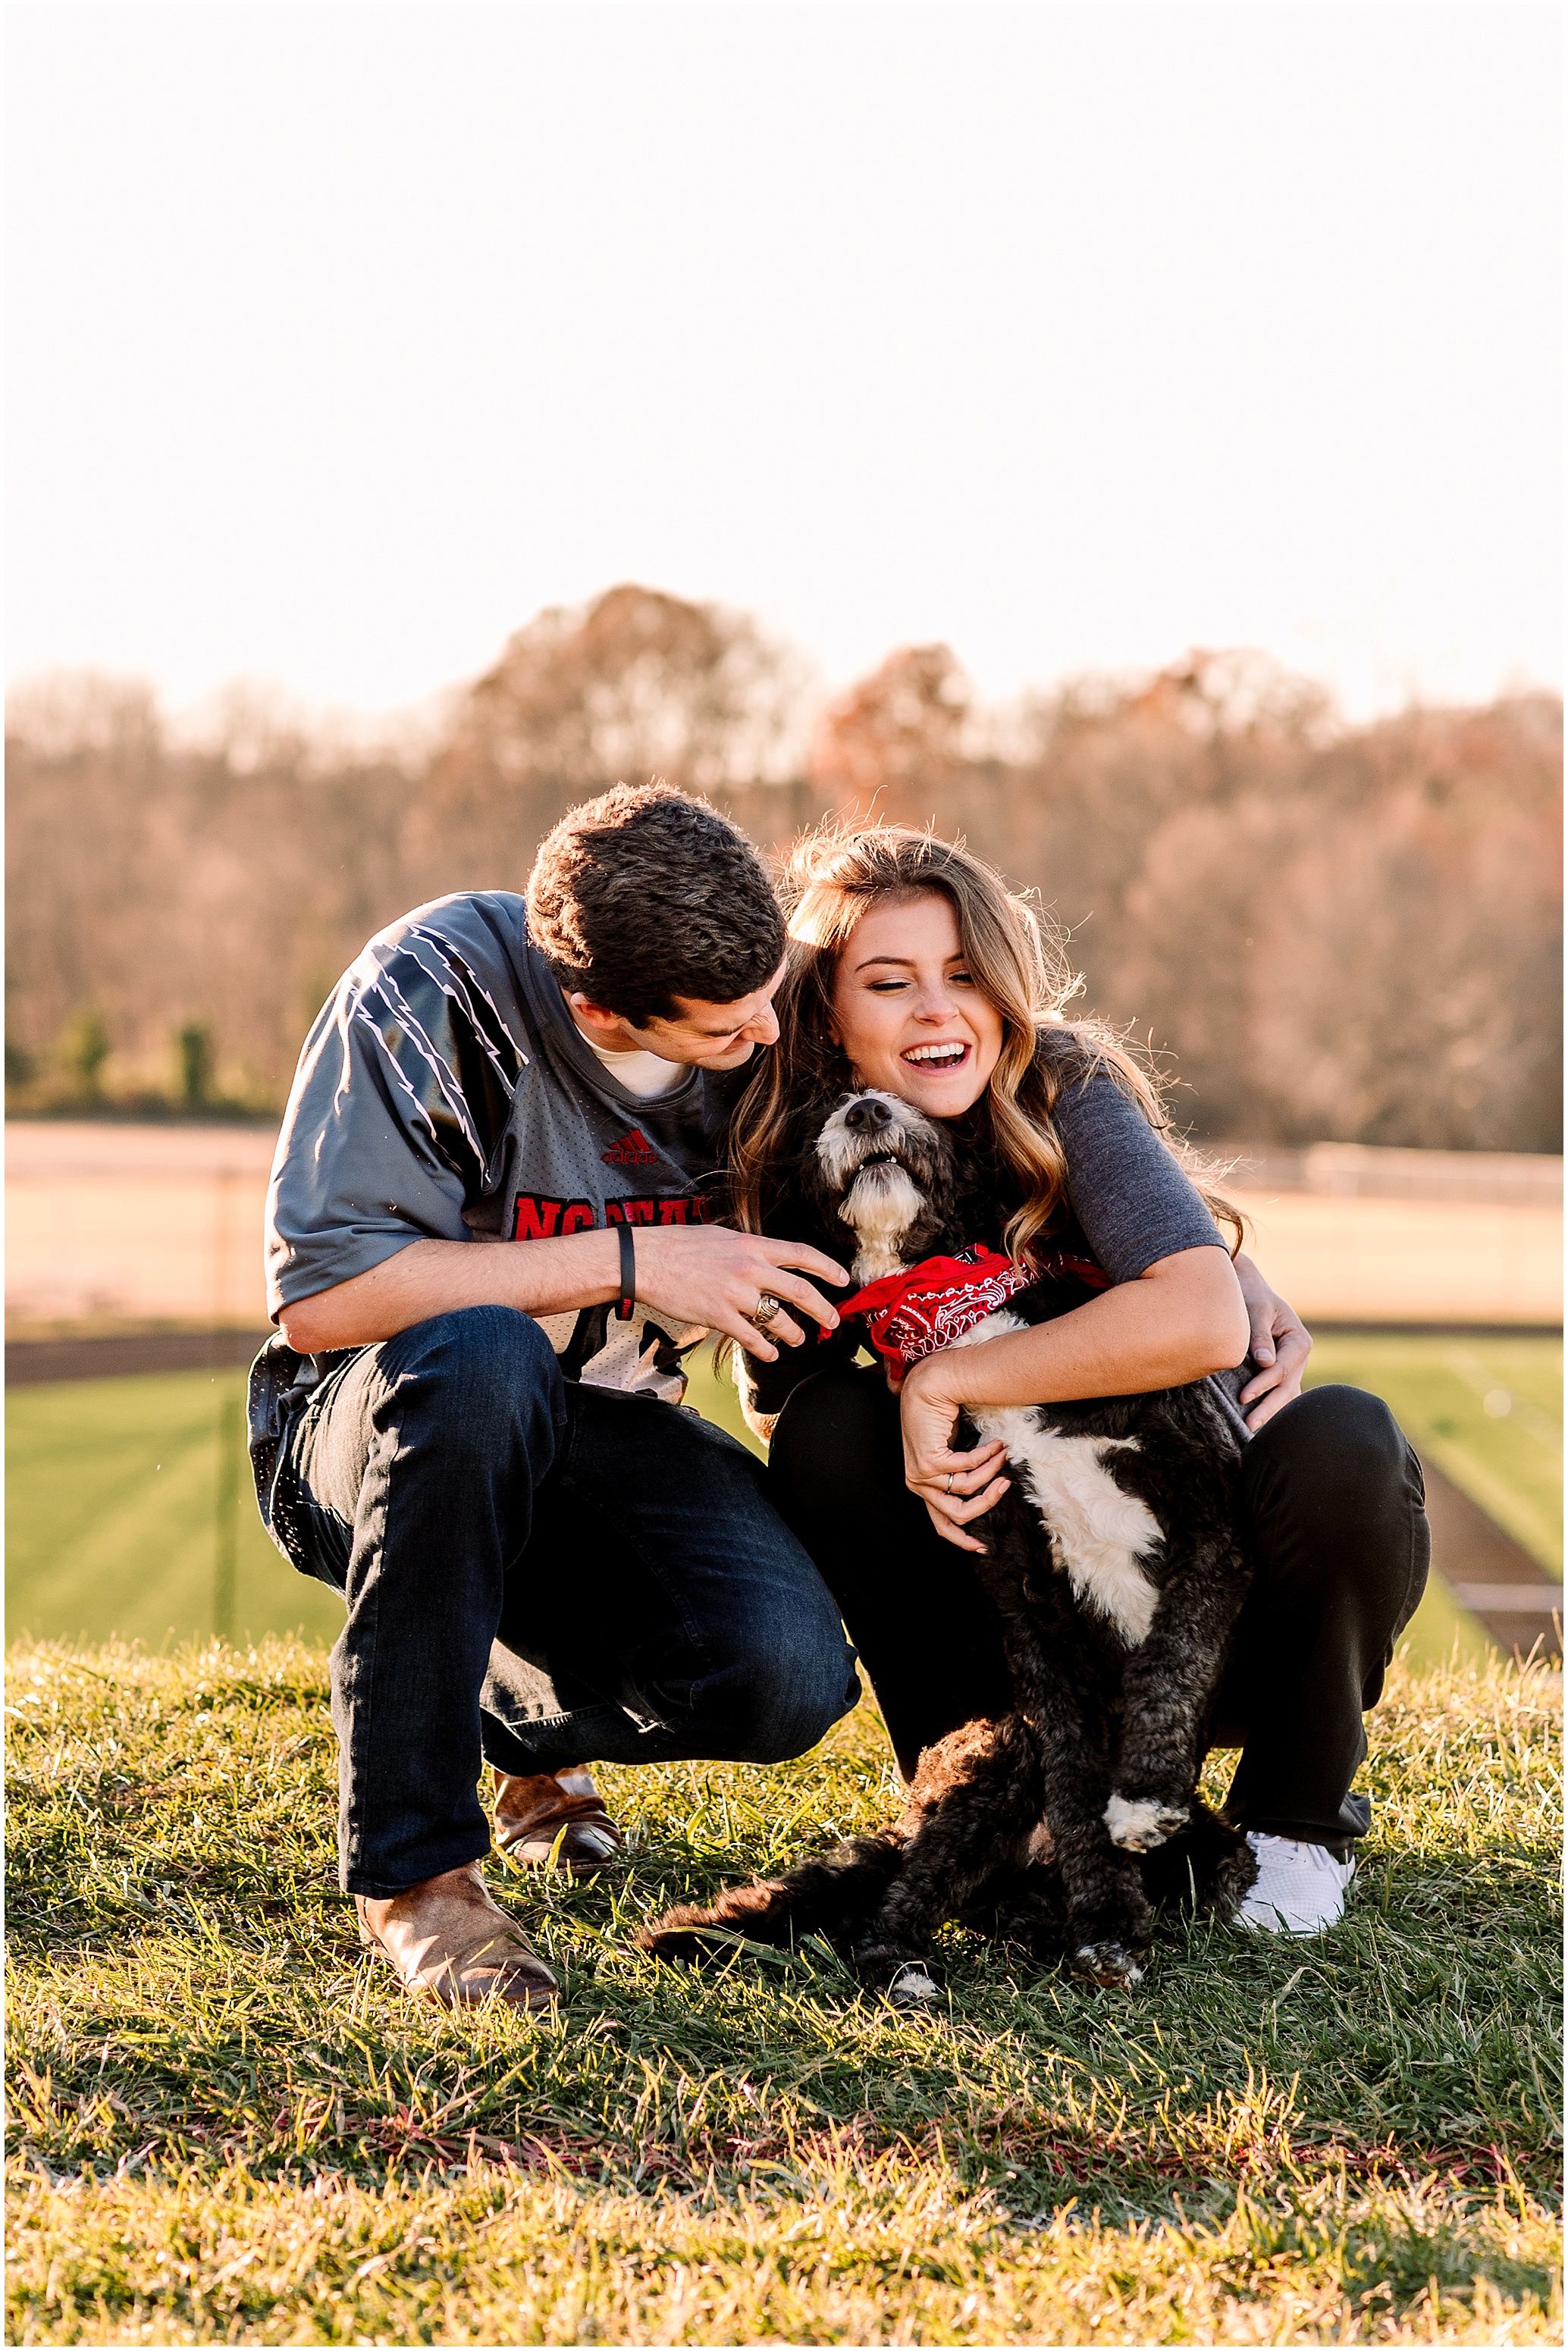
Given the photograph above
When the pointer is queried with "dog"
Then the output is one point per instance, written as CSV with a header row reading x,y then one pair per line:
x,y
1115,1563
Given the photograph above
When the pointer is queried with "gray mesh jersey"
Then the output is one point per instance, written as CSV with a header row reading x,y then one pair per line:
x,y
444,1092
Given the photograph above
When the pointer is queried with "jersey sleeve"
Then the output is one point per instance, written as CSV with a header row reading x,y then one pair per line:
x,y
400,1099
1133,1202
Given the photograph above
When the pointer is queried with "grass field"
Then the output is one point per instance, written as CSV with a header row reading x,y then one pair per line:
x,y
112,1510
113,1489
229,2126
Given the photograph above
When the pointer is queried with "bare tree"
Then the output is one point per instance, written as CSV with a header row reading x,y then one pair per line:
x,y
635,685
1331,932
162,888
894,746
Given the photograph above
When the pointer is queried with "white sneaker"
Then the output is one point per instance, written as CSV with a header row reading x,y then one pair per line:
x,y
1300,1888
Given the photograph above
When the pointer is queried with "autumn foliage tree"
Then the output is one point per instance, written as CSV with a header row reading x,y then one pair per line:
x,y
1326,931
166,887
636,683
893,746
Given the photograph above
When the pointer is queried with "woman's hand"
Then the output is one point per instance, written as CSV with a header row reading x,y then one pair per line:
x,y
1279,1347
954,1486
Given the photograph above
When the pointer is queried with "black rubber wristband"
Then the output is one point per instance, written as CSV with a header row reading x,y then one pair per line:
x,y
628,1298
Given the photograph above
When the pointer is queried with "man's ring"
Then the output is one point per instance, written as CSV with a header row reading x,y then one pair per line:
x,y
951,1475
766,1308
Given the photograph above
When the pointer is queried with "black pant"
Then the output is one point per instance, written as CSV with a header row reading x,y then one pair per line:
x,y
543,1573
1336,1522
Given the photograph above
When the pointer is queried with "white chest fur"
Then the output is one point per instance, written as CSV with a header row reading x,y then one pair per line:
x,y
879,1208
1098,1533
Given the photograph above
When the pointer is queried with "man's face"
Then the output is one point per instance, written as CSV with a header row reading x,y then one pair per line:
x,y
703,1036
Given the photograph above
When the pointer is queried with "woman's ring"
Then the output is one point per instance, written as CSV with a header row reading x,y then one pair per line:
x,y
766,1308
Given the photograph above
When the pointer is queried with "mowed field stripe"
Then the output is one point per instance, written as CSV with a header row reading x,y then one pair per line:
x,y
112,1510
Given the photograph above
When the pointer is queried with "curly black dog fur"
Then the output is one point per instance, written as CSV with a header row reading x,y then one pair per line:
x,y
1115,1563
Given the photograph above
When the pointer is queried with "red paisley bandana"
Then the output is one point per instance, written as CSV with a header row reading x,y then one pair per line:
x,y
910,1314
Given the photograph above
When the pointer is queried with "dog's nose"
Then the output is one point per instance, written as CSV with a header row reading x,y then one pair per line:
x,y
867,1115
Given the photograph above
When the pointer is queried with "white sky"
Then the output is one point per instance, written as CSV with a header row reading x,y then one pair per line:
x,y
343,337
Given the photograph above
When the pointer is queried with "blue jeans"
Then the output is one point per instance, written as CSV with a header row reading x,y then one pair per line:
x,y
538,1574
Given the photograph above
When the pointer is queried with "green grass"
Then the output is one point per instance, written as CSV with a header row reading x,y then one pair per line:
x,y
1510,1462
112,1513
112,1490
111,1516
229,2125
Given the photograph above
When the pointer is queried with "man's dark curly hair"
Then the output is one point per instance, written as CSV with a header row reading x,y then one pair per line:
x,y
642,895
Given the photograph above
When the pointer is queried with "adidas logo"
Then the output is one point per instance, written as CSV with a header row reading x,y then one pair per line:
x,y
633,1150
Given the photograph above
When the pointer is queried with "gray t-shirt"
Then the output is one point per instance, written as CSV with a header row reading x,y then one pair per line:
x,y
1132,1201
444,1092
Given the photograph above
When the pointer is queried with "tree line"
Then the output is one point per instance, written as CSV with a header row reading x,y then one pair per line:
x,y
1319,930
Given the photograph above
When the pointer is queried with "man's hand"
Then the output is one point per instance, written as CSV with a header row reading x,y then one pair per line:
x,y
706,1274
954,1486
1279,1347
702,1275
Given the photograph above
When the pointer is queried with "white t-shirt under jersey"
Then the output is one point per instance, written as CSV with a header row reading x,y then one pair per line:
x,y
646,1075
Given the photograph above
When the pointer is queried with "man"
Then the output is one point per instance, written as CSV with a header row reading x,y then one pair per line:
x,y
488,1233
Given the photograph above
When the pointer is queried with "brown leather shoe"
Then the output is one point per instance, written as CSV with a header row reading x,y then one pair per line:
x,y
532,1812
449,1942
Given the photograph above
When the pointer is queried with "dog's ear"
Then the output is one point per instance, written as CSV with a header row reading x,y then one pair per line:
x,y
978,1199
806,1202
941,1224
804,1141
947,1187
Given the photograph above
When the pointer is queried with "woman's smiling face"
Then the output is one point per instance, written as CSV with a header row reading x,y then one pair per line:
x,y
907,1011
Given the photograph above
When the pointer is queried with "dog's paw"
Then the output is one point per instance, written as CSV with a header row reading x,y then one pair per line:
x,y
916,1984
1110,1964
1138,1823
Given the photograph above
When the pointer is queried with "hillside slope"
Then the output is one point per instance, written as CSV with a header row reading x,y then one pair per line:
x,y
229,2125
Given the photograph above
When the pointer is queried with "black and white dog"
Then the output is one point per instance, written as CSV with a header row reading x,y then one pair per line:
x,y
1114,1562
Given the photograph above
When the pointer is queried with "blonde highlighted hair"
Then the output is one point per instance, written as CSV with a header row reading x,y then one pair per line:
x,y
831,879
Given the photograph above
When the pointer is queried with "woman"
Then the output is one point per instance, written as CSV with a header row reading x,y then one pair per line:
x,y
912,967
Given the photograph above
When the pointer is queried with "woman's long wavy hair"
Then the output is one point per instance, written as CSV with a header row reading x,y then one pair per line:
x,y
831,879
